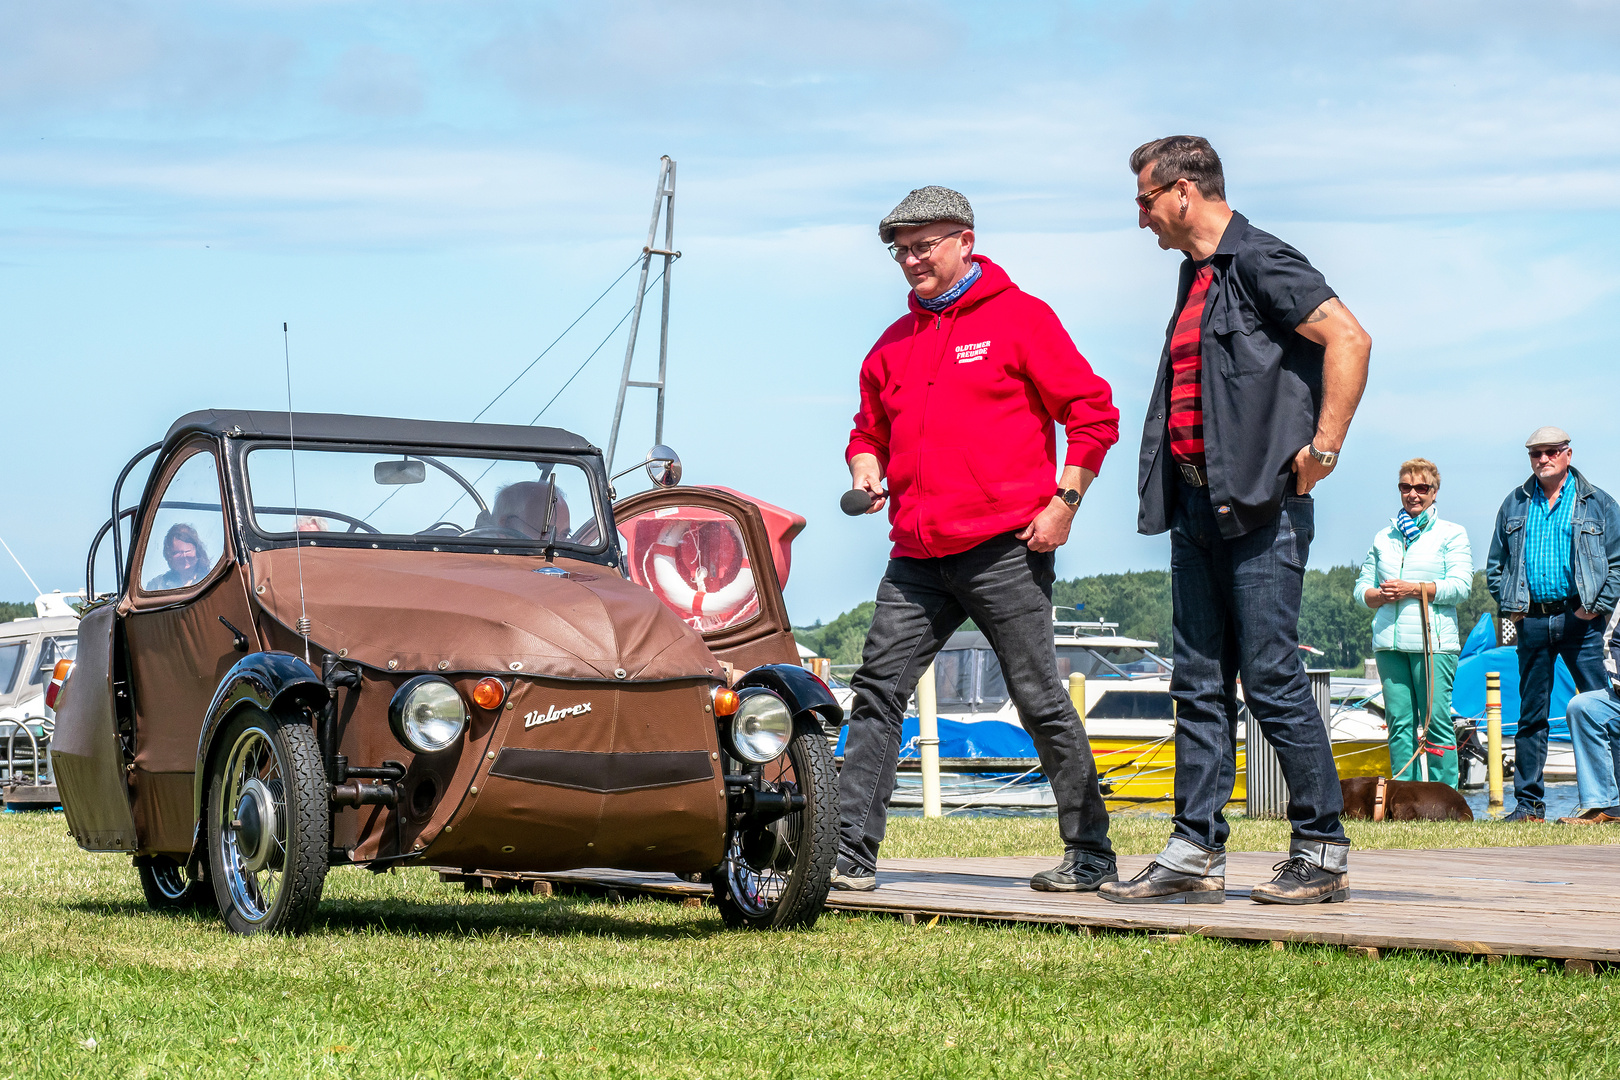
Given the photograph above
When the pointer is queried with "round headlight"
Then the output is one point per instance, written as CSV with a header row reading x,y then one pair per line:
x,y
761,727
427,714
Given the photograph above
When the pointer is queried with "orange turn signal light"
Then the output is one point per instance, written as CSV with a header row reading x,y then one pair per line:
x,y
489,693
726,701
59,675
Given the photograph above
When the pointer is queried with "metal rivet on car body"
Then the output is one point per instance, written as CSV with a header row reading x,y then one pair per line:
x,y
260,590
619,673
515,666
510,706
449,828
714,756
373,545
508,849
490,755
343,652
392,664
443,664
589,844
474,789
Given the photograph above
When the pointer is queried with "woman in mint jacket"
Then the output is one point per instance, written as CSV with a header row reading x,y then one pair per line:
x,y
1419,551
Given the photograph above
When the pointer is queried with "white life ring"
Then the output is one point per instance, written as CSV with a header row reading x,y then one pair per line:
x,y
690,599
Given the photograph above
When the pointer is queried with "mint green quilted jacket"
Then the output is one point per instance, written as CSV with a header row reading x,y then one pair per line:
x,y
1440,554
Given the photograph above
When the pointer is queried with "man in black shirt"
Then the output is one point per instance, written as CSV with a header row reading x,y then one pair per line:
x,y
1261,372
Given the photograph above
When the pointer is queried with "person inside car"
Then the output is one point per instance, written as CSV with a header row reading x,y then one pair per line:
x,y
187,558
521,508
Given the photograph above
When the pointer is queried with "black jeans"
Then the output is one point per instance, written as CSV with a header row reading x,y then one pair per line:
x,y
1236,611
1541,642
1007,589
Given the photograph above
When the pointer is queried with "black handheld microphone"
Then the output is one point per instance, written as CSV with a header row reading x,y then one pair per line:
x,y
856,501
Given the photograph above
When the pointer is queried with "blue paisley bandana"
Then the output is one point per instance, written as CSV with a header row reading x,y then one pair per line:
x,y
952,294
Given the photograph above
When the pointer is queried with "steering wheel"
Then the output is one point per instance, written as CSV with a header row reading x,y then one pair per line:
x,y
492,531
440,526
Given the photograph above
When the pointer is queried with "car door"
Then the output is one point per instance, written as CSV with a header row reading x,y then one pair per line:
x,y
184,579
707,554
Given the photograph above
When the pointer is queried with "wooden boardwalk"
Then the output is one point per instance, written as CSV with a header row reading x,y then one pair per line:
x,y
1557,902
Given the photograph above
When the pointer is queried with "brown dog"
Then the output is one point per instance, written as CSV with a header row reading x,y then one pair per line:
x,y
1375,798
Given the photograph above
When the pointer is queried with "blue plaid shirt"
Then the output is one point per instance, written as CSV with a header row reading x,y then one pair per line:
x,y
1549,545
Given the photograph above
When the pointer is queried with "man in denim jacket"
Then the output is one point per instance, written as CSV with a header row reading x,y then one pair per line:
x,y
1555,570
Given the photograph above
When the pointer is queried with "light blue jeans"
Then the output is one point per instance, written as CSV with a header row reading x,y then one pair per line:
x,y
1594,725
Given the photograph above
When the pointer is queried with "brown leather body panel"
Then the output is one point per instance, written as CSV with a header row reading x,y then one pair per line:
x,y
85,752
479,612
178,654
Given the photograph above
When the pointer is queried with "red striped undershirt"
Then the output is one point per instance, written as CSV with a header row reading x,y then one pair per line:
x,y
1186,365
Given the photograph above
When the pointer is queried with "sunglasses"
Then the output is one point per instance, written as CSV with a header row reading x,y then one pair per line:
x,y
1421,489
1540,452
1145,200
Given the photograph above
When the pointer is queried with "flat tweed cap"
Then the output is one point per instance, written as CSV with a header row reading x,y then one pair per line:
x,y
1547,436
925,205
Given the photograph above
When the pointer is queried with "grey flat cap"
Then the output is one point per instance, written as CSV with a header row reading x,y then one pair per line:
x,y
925,205
1547,436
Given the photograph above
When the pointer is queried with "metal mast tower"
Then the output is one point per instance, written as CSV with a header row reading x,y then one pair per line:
x,y
663,205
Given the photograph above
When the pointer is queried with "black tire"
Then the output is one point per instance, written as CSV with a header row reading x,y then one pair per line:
x,y
776,876
169,888
269,822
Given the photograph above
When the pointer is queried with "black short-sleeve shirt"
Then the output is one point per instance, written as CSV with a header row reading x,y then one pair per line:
x,y
1262,383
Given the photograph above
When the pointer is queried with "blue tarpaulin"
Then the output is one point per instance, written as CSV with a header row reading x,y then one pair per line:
x,y
985,738
1480,655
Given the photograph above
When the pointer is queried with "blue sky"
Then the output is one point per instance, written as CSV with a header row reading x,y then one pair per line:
x,y
428,192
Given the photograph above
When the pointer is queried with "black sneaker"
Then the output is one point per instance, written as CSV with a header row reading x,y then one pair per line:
x,y
1526,812
1080,871
851,876
1300,881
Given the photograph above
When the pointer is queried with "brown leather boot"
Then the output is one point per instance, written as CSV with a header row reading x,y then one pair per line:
x,y
1159,884
1300,881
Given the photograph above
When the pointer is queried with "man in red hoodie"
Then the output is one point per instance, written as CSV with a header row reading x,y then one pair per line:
x,y
958,400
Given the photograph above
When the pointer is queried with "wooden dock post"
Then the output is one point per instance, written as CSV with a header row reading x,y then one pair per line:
x,y
1493,736
928,741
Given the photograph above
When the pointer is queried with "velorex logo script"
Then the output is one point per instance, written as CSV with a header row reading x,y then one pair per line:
x,y
554,714
966,354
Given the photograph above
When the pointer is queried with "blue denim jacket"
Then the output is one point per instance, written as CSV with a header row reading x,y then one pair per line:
x,y
1597,549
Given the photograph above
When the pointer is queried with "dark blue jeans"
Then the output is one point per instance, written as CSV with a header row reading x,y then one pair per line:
x,y
1237,613
1541,641
1007,589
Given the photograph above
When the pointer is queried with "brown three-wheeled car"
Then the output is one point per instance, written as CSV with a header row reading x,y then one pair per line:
x,y
355,640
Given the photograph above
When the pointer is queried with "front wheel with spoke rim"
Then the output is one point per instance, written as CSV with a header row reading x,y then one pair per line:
x,y
268,824
776,876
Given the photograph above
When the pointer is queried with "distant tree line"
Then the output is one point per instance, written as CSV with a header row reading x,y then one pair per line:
x,y
21,610
1139,601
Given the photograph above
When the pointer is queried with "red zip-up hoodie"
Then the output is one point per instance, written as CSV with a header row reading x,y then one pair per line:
x,y
958,407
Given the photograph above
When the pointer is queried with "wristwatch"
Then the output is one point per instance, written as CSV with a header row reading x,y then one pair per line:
x,y
1070,497
1323,457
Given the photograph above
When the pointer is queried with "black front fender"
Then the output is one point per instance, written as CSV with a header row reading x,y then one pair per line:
x,y
267,681
802,691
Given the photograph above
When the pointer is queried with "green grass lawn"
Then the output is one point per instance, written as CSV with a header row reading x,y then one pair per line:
x,y
402,976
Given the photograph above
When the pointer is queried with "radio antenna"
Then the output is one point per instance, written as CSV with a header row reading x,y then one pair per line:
x,y
292,459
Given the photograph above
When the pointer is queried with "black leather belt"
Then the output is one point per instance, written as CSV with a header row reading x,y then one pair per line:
x,y
1540,610
1193,475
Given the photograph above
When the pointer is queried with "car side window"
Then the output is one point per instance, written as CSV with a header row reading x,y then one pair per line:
x,y
187,536
695,561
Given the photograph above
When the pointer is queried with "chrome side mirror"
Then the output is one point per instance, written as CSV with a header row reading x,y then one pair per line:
x,y
663,466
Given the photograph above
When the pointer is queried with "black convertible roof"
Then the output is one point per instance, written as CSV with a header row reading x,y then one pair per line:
x,y
382,429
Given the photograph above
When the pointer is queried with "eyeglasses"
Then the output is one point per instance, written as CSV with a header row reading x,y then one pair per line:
x,y
1539,452
1421,489
921,248
1145,200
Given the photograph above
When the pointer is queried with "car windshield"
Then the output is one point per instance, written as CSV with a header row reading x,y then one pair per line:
x,y
440,496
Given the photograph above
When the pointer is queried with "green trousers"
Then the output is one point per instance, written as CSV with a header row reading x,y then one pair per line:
x,y
1406,703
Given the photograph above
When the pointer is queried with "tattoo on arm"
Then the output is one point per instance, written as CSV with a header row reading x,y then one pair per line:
x,y
1321,312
